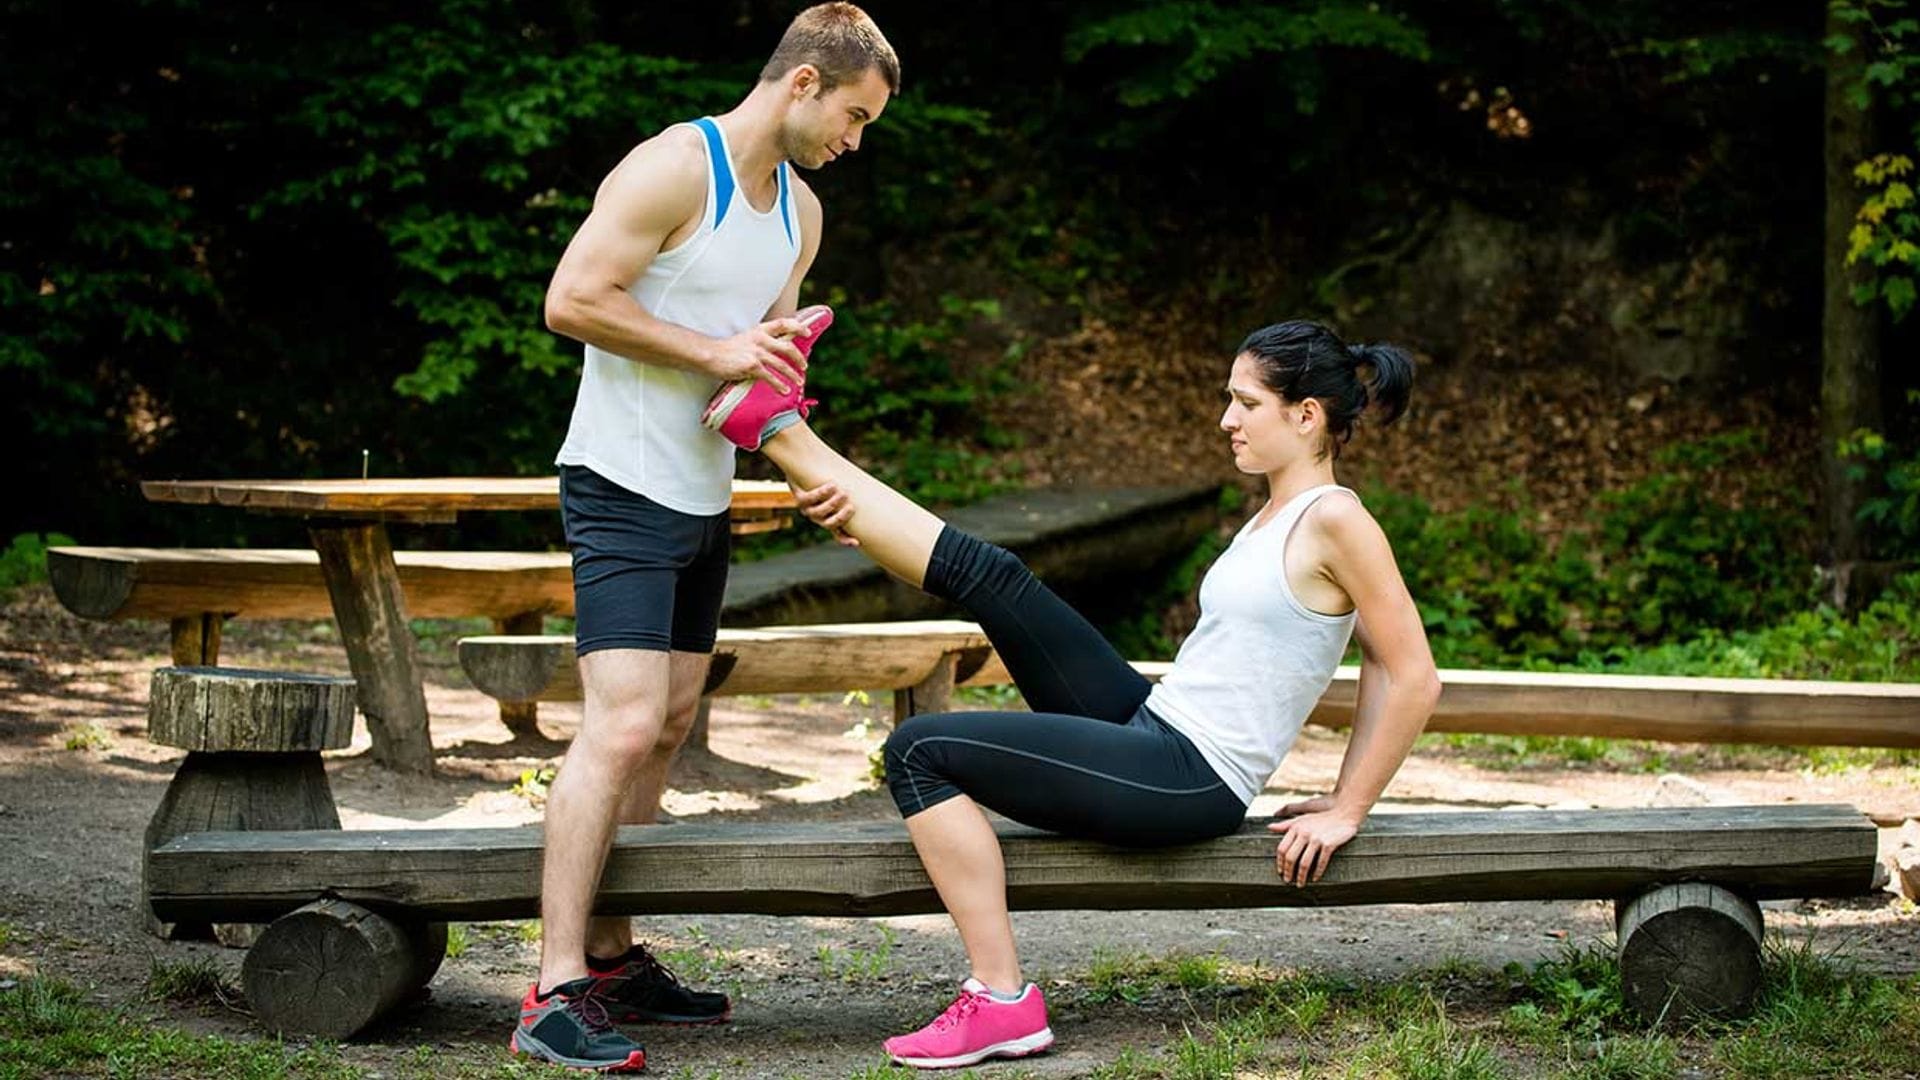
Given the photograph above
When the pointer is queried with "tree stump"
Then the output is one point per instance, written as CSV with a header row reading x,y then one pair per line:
x,y
331,968
1689,952
253,742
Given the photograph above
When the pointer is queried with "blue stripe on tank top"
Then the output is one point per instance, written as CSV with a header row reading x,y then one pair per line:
x,y
785,218
722,168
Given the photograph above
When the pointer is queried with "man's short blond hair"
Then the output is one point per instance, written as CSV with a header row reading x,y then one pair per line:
x,y
840,41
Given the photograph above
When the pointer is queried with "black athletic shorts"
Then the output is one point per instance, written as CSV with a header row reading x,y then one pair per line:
x,y
644,576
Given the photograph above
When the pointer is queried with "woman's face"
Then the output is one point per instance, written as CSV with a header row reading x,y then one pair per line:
x,y
1266,433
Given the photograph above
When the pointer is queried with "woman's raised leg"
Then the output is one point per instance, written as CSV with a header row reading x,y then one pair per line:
x,y
893,530
1060,662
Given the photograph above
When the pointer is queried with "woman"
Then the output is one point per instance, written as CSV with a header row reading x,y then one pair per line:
x,y
1106,756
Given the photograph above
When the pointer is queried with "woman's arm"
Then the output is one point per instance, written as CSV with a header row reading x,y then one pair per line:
x,y
1397,692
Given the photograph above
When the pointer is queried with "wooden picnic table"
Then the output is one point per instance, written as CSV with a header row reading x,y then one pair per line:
x,y
347,522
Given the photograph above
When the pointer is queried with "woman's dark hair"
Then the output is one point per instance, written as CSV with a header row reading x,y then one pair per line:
x,y
1300,359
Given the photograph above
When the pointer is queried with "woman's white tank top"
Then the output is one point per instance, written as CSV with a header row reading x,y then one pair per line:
x,y
638,424
1245,680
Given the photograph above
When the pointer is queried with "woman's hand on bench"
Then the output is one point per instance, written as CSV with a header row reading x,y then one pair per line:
x,y
1311,832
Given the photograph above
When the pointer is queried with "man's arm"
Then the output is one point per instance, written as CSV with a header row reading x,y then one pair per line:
x,y
657,190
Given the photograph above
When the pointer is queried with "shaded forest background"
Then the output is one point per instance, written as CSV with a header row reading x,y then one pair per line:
x,y
256,240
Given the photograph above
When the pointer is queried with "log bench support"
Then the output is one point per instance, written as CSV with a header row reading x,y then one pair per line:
x,y
253,742
1684,881
331,968
1689,951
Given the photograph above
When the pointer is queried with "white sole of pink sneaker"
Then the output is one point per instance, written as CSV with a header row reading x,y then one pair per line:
x,y
1012,1048
723,404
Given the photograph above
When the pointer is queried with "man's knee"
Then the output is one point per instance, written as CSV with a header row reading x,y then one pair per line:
x,y
678,725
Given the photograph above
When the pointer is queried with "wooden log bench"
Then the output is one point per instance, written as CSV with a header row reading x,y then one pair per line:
x,y
197,589
922,661
1684,882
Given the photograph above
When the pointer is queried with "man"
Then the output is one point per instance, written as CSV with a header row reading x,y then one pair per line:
x,y
685,276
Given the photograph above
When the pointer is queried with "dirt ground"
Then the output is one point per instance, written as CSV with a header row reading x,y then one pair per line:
x,y
78,781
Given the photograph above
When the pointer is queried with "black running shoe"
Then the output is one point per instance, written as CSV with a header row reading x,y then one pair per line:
x,y
638,987
570,1027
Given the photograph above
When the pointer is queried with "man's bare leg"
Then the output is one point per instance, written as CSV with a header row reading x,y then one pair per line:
x,y
958,847
627,691
893,530
610,936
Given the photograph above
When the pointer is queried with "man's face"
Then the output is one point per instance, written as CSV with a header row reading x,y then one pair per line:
x,y
821,127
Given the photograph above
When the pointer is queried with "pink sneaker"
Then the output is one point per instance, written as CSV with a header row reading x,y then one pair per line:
x,y
741,410
977,1026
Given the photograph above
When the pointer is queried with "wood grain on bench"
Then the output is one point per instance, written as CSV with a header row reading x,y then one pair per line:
x,y
870,868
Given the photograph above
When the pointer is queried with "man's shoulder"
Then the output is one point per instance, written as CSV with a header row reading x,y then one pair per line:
x,y
670,166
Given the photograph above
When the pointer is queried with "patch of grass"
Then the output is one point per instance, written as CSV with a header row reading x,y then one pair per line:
x,y
1514,752
198,979
1131,977
527,930
458,939
1130,1065
1430,1049
704,961
6,933
1215,1051
47,1029
853,965
1623,1057
88,737
1577,992
1818,1015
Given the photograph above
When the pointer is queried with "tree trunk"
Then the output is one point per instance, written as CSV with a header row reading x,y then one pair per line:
x,y
1850,332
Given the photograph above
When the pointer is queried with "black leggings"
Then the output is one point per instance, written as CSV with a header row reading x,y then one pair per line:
x,y
1089,760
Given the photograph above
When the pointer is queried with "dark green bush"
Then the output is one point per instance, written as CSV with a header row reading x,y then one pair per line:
x,y
1659,561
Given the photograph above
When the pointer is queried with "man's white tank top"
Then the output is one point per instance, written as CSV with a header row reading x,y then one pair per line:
x,y
638,424
1245,680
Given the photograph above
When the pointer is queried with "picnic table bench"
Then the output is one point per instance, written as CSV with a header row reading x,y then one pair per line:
x,y
362,579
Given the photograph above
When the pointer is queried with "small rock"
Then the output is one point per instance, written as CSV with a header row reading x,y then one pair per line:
x,y
8,984
1673,789
1906,872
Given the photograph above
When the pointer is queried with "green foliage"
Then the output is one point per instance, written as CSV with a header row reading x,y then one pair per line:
x,y
1880,644
24,562
1656,561
1197,41
436,107
1892,511
893,387
1886,231
1672,561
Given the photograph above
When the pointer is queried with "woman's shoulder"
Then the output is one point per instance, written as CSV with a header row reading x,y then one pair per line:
x,y
1343,521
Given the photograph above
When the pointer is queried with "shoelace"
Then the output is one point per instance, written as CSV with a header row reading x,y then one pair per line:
x,y
589,1011
962,1007
651,965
